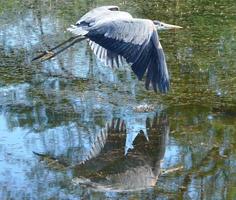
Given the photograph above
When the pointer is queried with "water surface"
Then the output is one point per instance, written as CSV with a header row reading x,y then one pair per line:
x,y
85,118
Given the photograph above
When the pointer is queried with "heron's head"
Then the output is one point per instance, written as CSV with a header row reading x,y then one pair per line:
x,y
163,26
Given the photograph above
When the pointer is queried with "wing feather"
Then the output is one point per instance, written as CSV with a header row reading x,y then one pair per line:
x,y
137,41
110,58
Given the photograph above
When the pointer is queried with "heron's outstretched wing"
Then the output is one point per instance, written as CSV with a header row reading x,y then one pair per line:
x,y
137,41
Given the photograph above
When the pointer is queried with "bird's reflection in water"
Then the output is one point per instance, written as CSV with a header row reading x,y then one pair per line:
x,y
138,169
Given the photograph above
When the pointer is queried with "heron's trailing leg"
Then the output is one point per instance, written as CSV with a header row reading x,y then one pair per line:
x,y
59,45
46,55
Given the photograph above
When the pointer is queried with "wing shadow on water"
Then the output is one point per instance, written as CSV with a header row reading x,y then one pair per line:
x,y
139,169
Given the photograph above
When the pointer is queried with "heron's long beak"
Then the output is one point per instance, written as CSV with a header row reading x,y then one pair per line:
x,y
170,26
164,26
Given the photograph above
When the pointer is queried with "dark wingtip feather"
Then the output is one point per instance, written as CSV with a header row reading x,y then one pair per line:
x,y
164,86
154,85
158,80
147,83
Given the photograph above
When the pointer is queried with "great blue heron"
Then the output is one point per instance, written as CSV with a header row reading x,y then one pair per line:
x,y
115,36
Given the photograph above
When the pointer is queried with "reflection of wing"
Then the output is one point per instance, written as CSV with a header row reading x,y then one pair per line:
x,y
139,169
89,150
96,146
100,139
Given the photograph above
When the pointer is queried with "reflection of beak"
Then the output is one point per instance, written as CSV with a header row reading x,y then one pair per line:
x,y
170,26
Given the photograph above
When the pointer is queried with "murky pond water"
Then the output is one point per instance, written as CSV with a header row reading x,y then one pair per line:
x,y
72,128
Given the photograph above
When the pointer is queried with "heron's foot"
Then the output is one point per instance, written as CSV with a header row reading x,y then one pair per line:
x,y
47,56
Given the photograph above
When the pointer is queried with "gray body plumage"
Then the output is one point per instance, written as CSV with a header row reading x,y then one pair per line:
x,y
115,36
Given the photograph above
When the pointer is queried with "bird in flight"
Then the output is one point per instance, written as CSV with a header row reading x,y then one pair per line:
x,y
115,36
